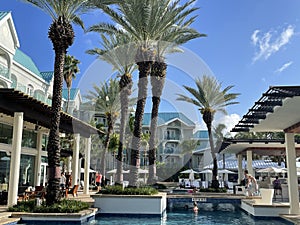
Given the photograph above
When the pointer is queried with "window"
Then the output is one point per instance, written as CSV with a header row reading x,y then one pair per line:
x,y
27,170
14,81
6,133
29,139
30,90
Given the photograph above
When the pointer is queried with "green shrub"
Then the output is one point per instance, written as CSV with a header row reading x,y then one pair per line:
x,y
64,206
118,190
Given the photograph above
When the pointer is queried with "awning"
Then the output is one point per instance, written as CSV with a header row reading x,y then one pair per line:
x,y
37,112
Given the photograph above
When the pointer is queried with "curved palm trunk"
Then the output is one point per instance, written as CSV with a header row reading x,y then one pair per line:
x,y
144,59
208,118
125,87
62,35
106,146
69,94
158,75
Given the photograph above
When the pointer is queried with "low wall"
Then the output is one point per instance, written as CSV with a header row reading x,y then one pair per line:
x,y
130,204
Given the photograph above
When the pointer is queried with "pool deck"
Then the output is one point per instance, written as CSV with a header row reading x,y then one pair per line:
x,y
295,219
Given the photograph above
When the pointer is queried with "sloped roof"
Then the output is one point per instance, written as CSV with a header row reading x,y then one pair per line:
x,y
3,14
47,76
165,117
201,134
73,93
232,164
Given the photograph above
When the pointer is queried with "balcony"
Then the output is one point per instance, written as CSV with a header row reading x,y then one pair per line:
x,y
4,72
172,137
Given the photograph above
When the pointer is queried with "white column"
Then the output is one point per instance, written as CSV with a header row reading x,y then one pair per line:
x,y
292,173
38,159
15,159
75,159
69,164
86,188
240,168
79,170
249,163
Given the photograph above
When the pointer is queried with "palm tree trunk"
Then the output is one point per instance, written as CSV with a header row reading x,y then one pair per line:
x,y
144,70
53,147
106,145
69,93
158,75
125,87
207,117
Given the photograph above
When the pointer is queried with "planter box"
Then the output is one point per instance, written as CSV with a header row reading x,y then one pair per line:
x,y
82,217
131,204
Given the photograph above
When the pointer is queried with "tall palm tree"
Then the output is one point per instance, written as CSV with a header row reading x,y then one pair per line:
x,y
210,98
169,42
118,50
61,34
106,99
146,21
70,70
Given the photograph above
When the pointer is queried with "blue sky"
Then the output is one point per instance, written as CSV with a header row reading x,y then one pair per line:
x,y
251,44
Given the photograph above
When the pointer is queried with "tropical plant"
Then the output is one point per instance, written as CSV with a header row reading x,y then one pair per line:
x,y
106,99
169,41
147,21
70,70
118,50
61,34
210,98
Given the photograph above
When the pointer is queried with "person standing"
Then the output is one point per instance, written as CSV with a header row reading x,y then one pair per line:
x,y
63,180
98,181
251,183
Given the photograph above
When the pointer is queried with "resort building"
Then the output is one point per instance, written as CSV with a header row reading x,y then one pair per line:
x,y
25,99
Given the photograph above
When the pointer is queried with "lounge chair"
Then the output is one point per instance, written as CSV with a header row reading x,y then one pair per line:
x,y
72,191
266,197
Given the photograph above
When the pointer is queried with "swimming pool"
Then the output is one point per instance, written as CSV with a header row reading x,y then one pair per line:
x,y
236,217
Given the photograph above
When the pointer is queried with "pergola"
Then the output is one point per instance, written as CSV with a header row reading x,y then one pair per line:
x,y
23,108
277,111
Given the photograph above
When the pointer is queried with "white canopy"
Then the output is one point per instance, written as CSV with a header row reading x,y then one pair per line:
x,y
271,170
189,171
225,171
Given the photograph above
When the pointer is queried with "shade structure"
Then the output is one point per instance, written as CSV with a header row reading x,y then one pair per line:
x,y
189,171
90,170
271,170
225,171
115,171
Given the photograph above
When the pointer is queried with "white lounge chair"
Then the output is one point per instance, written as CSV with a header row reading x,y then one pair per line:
x,y
266,197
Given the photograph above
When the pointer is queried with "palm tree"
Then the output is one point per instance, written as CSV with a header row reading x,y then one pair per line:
x,y
106,99
146,21
118,50
70,70
176,35
210,98
61,34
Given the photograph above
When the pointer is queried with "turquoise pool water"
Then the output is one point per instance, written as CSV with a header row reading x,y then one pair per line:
x,y
180,217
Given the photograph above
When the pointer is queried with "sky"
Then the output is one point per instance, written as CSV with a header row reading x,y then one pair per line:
x,y
251,44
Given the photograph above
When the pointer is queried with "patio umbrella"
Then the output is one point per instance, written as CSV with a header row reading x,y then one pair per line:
x,y
189,171
225,171
271,170
206,171
115,171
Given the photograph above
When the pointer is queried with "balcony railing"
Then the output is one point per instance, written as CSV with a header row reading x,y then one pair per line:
x,y
176,137
4,71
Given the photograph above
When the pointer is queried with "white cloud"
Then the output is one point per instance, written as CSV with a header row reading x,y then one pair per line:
x,y
228,120
268,44
284,67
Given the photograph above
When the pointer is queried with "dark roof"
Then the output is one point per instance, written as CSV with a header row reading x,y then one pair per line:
x,y
39,113
274,97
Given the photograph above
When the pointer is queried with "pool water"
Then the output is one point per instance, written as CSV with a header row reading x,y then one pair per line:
x,y
236,217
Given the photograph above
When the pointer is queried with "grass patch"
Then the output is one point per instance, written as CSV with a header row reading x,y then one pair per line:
x,y
64,206
118,190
